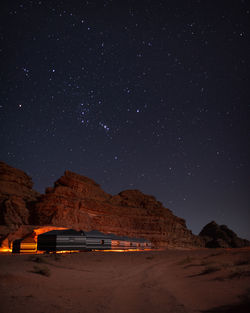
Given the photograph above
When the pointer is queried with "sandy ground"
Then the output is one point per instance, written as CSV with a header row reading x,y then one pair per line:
x,y
136,282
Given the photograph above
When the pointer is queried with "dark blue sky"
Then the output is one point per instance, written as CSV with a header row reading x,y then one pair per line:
x,y
149,95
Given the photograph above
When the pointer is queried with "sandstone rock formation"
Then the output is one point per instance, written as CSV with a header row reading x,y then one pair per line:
x,y
220,236
17,199
78,202
16,196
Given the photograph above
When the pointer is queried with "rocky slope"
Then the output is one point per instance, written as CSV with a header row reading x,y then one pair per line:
x,y
78,202
220,236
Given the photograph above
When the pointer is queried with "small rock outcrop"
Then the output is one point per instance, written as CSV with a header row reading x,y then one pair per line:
x,y
220,236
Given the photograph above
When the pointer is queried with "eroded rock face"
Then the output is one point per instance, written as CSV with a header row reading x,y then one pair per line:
x,y
14,182
17,199
78,202
220,236
16,195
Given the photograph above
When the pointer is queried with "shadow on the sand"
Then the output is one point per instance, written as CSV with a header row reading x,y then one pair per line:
x,y
243,307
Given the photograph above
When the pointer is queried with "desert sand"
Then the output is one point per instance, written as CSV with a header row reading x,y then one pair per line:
x,y
198,280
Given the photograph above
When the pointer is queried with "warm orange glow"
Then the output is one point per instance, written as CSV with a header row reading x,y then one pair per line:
x,y
29,243
45,229
5,246
4,250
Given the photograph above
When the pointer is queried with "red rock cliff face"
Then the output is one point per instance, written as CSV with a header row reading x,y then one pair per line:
x,y
78,202
16,199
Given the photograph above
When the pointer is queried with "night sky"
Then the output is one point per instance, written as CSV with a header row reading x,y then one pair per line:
x,y
150,95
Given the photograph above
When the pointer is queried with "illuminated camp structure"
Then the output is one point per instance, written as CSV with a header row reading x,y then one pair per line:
x,y
71,240
59,240
26,245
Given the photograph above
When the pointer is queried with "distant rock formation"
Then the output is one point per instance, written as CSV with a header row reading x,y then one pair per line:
x,y
78,202
220,236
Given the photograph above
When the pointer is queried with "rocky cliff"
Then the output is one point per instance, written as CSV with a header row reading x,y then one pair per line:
x,y
17,198
78,202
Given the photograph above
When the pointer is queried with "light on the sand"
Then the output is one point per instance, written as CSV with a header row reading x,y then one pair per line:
x,y
6,247
5,250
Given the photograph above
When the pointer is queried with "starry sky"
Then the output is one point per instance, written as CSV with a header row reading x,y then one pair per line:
x,y
150,95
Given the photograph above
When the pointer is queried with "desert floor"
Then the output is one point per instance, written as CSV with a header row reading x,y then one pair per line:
x,y
203,280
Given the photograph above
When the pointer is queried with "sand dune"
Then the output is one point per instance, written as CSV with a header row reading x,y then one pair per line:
x,y
156,281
